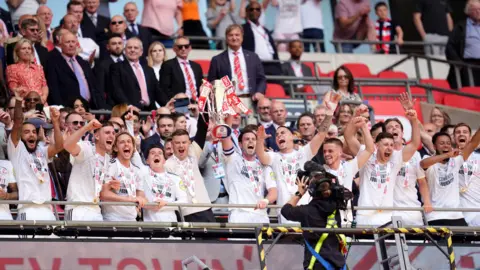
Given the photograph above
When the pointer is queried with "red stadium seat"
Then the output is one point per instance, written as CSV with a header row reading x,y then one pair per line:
x,y
205,64
460,102
437,96
380,91
471,90
309,89
275,91
359,70
390,74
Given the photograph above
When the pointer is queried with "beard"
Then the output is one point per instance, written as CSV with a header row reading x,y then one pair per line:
x,y
30,150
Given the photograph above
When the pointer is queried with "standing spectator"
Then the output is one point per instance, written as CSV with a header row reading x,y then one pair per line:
x,y
134,81
29,30
130,11
319,113
306,126
463,46
76,8
119,27
220,15
89,49
312,23
93,21
278,113
263,109
68,76
352,23
18,8
434,23
180,75
240,65
386,29
46,15
294,67
102,69
439,118
25,73
157,54
165,128
104,9
158,17
288,23
192,26
343,84
257,39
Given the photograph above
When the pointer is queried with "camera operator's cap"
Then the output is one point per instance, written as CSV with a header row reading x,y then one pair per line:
x,y
321,177
38,122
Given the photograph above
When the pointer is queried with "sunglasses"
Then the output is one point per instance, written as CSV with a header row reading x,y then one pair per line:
x,y
10,108
254,9
116,22
32,100
34,30
342,77
183,46
76,123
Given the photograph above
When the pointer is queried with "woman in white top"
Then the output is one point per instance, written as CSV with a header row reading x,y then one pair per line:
x,y
156,56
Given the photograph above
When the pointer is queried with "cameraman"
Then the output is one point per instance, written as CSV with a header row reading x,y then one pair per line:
x,y
321,211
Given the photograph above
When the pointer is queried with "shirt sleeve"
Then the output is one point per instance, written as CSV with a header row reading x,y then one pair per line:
x,y
10,176
448,7
270,178
307,152
273,158
418,169
84,153
341,10
419,6
297,213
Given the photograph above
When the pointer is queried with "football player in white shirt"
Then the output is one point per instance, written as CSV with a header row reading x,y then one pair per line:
x,y
160,187
443,178
90,163
405,192
7,181
469,175
30,161
286,163
378,176
131,187
247,180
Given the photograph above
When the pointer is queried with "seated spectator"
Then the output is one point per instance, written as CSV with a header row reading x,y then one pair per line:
x,y
180,75
434,24
93,21
257,39
118,26
192,26
288,24
69,76
130,12
439,118
157,54
463,46
158,18
312,23
89,50
19,8
343,84
30,103
25,73
220,15
387,30
29,29
294,67
76,9
352,23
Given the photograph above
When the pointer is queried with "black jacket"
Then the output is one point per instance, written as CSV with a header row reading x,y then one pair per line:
x,y
315,214
172,80
143,34
454,51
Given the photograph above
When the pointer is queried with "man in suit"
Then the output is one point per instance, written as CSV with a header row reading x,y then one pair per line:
x,y
165,128
29,29
257,39
95,22
294,67
134,82
279,117
180,75
115,54
240,65
69,76
130,12
76,9
89,48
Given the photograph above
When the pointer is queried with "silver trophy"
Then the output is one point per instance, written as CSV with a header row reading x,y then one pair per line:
x,y
218,110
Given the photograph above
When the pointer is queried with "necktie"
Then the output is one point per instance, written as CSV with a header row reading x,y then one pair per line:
x,y
191,85
94,19
118,60
238,71
143,85
134,31
82,82
236,132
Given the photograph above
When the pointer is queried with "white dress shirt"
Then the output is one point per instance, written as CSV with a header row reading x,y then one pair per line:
x,y
93,17
133,27
79,32
156,69
243,67
297,69
88,46
37,58
115,58
189,68
263,48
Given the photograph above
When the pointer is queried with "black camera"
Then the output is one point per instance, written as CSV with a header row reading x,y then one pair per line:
x,y
317,175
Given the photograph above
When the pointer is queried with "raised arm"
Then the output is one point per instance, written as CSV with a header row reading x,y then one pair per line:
x,y
365,155
318,139
472,145
408,105
351,130
263,157
71,142
426,163
54,149
17,116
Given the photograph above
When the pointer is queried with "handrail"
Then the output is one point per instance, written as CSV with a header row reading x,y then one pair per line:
x,y
354,41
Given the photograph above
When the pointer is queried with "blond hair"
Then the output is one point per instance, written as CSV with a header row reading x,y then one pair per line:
x,y
18,46
149,55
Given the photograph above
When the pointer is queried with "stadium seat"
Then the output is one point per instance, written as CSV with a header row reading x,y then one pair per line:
x,y
471,90
390,74
380,91
359,70
461,102
275,91
437,96
205,64
309,89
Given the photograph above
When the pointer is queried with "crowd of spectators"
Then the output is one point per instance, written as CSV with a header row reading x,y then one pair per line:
x,y
53,147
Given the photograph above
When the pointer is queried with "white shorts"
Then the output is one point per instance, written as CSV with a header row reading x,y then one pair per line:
x,y
472,218
237,216
410,218
6,215
159,216
84,213
41,212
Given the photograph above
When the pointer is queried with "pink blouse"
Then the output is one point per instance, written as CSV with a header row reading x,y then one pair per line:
x,y
30,77
160,15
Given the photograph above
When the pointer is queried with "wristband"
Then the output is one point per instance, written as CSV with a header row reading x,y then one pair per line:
x,y
266,201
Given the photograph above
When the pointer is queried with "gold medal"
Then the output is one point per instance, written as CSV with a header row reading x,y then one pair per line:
x,y
42,181
379,211
463,190
194,200
95,200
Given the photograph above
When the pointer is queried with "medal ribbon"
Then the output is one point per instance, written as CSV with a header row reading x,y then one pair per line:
x,y
251,177
41,174
187,172
128,181
290,174
158,180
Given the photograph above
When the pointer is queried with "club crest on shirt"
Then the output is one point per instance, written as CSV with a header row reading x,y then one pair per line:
x,y
182,185
273,176
255,173
468,169
123,189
